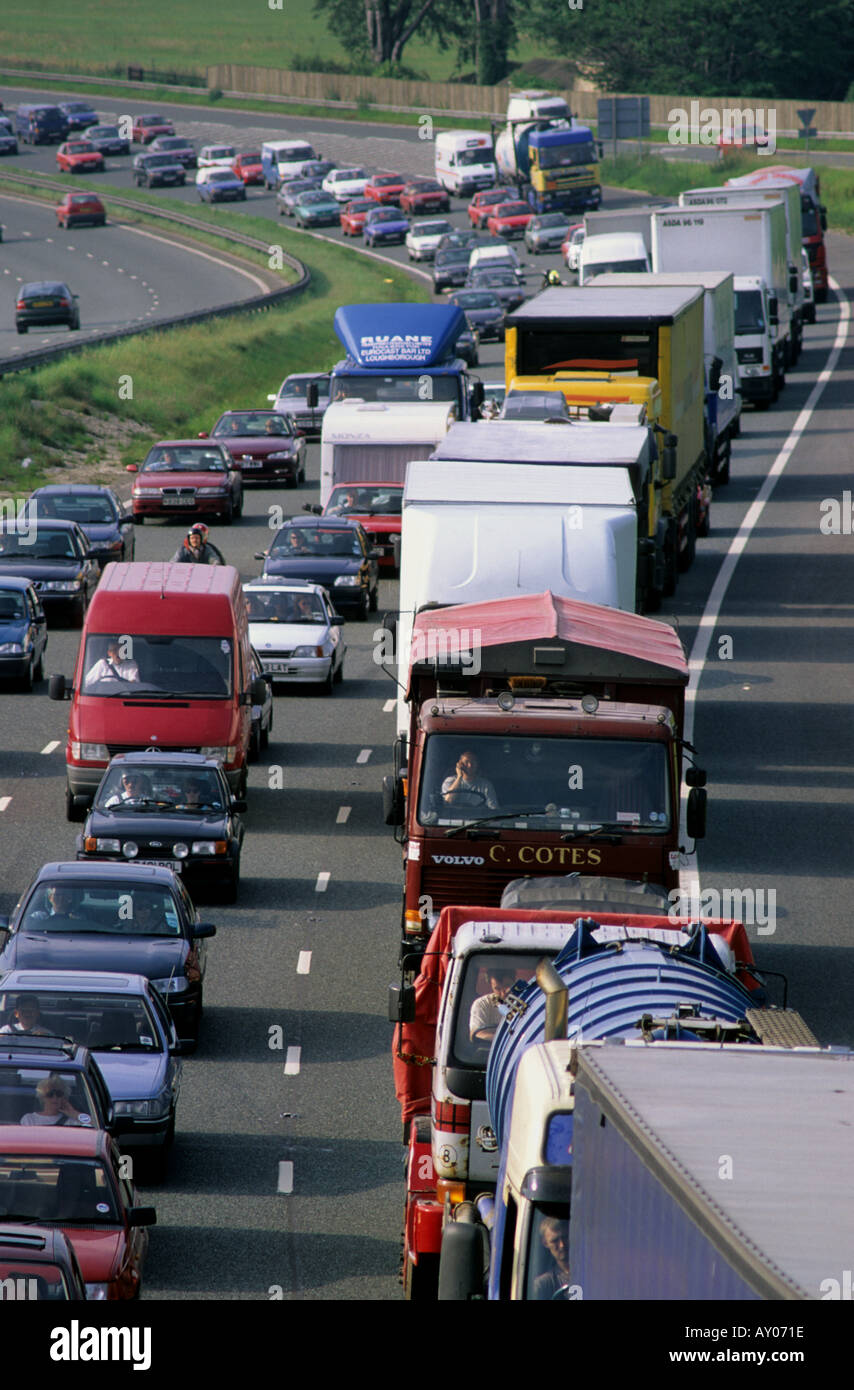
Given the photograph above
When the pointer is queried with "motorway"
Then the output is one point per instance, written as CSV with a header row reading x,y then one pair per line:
x,y
287,1175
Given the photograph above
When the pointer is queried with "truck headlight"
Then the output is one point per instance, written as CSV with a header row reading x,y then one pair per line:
x,y
60,586
180,850
130,849
208,847
107,846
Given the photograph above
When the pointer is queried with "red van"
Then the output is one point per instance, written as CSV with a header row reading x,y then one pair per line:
x,y
163,663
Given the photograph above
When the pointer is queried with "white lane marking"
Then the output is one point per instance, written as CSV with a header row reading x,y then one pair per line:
x,y
205,255
364,755
50,747
4,802
389,706
304,963
292,1061
322,881
343,815
286,1176
689,874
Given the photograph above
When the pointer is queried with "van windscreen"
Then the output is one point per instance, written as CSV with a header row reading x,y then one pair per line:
x,y
134,667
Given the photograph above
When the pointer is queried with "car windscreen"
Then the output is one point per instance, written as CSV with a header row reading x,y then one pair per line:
x,y
35,1280
33,1094
430,228
159,161
134,789
285,608
298,386
474,300
84,509
366,501
12,606
386,215
169,666
262,423
183,460
549,784
319,543
37,544
110,908
116,1022
80,147
62,1191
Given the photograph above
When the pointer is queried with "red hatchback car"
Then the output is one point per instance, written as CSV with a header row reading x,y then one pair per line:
x,y
248,167
386,188
77,208
187,477
147,128
424,195
71,1179
79,157
483,204
378,509
509,220
353,215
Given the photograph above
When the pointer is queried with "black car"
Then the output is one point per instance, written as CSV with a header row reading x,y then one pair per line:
x,y
108,139
42,1261
484,312
31,1063
44,302
23,631
176,146
132,918
149,170
170,809
504,284
334,553
55,557
450,267
98,512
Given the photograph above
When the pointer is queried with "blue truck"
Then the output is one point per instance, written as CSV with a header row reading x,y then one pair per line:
x,y
552,165
401,354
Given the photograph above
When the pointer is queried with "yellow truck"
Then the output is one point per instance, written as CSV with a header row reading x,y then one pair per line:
x,y
603,346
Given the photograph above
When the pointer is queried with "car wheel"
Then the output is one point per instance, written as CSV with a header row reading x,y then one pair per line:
x,y
238,511
253,751
27,677
265,733
364,607
228,516
38,669
74,326
229,892
339,674
73,812
22,328
78,611
374,599
328,685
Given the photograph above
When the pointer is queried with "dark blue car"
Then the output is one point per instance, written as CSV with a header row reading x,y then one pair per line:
x,y
98,512
385,226
23,631
332,552
221,186
108,139
79,115
55,557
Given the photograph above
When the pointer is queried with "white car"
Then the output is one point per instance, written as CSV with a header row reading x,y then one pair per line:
x,y
423,238
495,258
345,184
216,157
296,632
573,251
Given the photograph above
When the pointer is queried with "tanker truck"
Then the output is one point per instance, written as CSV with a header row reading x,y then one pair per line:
x,y
548,157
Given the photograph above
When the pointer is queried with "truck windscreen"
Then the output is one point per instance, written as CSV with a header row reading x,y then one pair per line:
x,y
543,351
480,1000
416,386
749,317
545,784
566,156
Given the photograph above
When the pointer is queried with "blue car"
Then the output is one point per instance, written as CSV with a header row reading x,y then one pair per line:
x,y
221,186
79,115
108,139
332,552
107,524
23,632
385,226
123,1022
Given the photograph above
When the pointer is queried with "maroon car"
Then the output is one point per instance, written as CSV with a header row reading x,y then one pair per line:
x,y
264,445
424,195
377,507
185,477
509,219
484,203
147,128
386,188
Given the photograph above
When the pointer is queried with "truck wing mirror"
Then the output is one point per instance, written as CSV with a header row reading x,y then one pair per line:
x,y
311,396
461,1262
476,396
392,800
668,460
715,373
794,280
56,688
773,309
695,776
695,819
401,1003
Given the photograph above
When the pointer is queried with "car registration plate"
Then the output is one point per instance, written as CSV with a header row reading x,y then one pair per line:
x,y
251,463
42,303
174,864
278,667
179,501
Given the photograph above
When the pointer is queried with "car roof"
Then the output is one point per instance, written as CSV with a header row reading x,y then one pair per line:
x,y
72,489
274,582
48,523
62,1055
70,1140
103,871
367,482
33,1244
183,444
153,757
326,522
14,581
74,981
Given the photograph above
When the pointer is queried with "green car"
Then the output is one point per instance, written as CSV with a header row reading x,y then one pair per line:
x,y
316,209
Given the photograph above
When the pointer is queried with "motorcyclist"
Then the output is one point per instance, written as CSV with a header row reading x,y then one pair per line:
x,y
197,549
551,277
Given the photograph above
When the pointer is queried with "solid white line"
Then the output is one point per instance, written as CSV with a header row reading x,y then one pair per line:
x,y
292,1061
689,873
343,815
322,881
364,755
304,963
286,1176
389,706
4,802
49,747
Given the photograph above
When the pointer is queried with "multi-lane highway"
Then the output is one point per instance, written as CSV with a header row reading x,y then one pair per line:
x,y
287,1172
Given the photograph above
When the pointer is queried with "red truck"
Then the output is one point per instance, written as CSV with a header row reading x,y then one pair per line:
x,y
545,737
813,215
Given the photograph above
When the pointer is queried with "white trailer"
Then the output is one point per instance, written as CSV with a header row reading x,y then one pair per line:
x,y
373,441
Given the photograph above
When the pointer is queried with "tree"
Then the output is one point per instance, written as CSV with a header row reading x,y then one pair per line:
x,y
380,29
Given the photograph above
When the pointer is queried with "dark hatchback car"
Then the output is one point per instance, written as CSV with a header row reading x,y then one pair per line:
x,y
56,558
42,1264
174,810
484,312
108,139
46,302
504,284
334,553
23,631
98,512
151,170
178,147
133,918
450,267
264,445
79,115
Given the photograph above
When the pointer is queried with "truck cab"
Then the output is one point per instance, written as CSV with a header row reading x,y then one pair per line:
x,y
402,354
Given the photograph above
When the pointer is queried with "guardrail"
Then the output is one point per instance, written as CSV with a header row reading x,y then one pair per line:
x,y
27,361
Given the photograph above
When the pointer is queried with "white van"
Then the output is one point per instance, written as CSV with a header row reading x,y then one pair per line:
x,y
283,159
465,161
612,253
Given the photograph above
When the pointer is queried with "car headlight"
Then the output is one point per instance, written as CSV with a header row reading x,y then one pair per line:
x,y
11,648
90,752
96,1293
146,492
279,457
107,846
63,586
211,491
226,755
308,651
153,1109
130,849
172,984
348,581
180,850
208,847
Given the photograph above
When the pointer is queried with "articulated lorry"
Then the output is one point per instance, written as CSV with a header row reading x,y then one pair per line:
x,y
545,735
615,438
619,346
549,158
402,354
373,441
750,242
720,365
813,214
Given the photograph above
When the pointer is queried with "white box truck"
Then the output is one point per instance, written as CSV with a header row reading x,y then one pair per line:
x,y
750,241
498,530
610,221
465,161
373,441
720,365
612,253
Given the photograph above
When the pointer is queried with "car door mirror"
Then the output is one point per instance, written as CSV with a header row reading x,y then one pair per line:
x,y
142,1216
203,929
336,620
238,804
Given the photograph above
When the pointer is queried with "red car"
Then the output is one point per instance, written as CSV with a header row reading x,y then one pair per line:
x,y
79,157
484,203
80,207
147,128
69,1178
353,215
248,167
386,188
187,477
424,195
377,507
509,219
